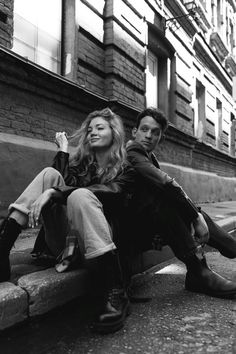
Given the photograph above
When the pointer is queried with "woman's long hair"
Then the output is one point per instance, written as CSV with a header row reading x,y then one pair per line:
x,y
84,156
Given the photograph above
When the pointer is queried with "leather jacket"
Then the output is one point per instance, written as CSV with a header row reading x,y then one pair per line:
x,y
113,195
154,185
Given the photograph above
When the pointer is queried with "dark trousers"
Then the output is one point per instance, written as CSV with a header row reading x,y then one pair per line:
x,y
140,232
220,239
175,231
171,225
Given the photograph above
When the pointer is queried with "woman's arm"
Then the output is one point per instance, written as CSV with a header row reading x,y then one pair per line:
x,y
61,161
39,203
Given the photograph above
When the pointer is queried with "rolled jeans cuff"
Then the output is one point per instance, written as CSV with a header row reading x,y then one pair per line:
x,y
100,251
18,207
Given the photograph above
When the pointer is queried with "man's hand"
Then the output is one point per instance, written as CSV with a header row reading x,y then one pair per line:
x,y
61,141
201,232
37,206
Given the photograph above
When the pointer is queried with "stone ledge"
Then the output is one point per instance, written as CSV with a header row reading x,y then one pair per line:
x,y
48,289
228,224
39,292
13,305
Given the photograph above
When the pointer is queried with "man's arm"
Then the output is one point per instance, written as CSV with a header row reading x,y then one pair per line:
x,y
201,232
159,180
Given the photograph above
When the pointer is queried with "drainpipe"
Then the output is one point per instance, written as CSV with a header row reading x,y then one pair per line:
x,y
69,39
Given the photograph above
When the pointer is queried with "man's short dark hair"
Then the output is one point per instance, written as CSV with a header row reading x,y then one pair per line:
x,y
156,114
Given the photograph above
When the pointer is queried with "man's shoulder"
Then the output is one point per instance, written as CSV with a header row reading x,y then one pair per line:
x,y
136,152
134,146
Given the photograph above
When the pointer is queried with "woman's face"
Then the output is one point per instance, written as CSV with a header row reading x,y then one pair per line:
x,y
99,134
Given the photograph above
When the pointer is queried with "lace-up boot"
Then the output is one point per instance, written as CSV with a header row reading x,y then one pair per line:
x,y
114,312
9,232
115,301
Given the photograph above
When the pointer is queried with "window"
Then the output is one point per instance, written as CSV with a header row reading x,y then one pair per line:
x,y
219,16
218,123
200,109
232,135
231,37
37,32
159,70
152,80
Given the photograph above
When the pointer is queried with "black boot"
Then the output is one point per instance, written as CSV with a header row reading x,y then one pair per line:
x,y
126,266
115,301
201,279
221,240
9,232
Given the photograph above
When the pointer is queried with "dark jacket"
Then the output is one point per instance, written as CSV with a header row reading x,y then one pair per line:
x,y
113,195
153,187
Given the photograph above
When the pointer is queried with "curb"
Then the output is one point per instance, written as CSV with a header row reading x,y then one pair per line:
x,y
228,224
39,292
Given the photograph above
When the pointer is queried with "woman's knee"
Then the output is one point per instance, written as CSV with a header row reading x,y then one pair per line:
x,y
50,171
50,174
82,197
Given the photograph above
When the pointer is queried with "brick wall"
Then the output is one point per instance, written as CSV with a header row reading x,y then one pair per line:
x,y
31,115
36,104
185,150
6,22
110,72
91,61
124,55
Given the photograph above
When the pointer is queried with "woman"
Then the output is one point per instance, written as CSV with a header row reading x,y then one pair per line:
x,y
83,205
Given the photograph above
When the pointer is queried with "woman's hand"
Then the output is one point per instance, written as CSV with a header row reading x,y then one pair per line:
x,y
61,141
201,229
37,206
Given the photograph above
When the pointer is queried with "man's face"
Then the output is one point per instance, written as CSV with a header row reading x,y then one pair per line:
x,y
148,134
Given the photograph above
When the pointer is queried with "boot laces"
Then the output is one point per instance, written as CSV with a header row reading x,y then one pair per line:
x,y
3,227
114,297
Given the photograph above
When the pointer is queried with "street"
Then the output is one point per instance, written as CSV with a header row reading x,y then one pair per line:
x,y
175,321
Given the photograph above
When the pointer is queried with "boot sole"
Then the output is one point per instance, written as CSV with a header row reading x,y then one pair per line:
x,y
106,328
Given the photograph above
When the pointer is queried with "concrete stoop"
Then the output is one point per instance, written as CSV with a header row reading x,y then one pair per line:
x,y
38,293
34,289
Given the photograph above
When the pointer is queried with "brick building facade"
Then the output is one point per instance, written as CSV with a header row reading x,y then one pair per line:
x,y
176,54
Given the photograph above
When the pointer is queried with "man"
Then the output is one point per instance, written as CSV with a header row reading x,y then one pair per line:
x,y
160,206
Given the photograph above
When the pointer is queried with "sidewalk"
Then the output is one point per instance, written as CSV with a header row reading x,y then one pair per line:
x,y
36,289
